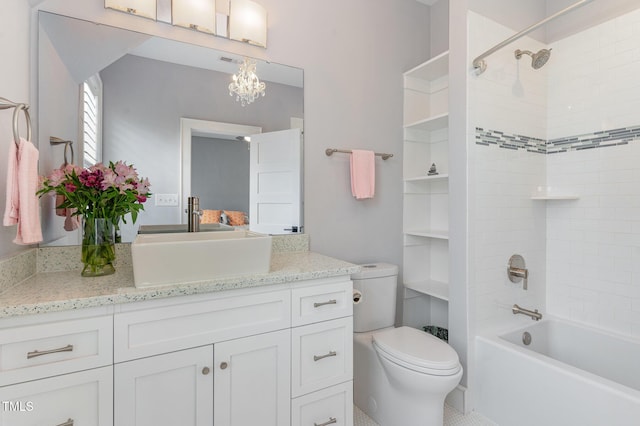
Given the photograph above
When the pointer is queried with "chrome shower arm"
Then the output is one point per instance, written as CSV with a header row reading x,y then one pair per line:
x,y
480,65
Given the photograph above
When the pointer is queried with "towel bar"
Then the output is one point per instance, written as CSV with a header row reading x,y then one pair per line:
x,y
330,151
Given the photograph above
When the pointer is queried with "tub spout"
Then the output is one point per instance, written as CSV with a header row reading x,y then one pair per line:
x,y
535,315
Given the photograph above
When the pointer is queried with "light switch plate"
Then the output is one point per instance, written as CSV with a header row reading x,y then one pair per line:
x,y
166,200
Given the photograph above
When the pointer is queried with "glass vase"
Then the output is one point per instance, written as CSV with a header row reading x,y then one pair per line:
x,y
98,247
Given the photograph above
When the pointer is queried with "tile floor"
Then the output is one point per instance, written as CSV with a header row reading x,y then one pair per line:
x,y
451,418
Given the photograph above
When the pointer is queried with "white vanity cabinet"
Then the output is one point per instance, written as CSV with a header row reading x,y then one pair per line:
x,y
237,357
56,370
278,354
322,355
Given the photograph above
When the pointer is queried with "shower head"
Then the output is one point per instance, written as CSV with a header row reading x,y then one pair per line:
x,y
537,59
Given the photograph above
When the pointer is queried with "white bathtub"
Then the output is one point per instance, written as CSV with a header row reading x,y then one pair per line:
x,y
568,375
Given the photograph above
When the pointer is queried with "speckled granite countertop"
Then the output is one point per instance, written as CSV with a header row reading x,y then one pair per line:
x,y
67,290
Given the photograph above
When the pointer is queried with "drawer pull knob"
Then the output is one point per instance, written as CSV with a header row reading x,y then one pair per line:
x,y
205,371
67,423
34,354
223,365
319,357
332,420
328,302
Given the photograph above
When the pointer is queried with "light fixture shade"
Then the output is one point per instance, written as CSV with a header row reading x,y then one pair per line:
x,y
198,15
144,8
248,22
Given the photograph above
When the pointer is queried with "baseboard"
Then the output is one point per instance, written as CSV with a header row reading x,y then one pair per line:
x,y
456,398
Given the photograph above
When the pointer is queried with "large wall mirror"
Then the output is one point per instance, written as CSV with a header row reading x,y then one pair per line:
x,y
144,88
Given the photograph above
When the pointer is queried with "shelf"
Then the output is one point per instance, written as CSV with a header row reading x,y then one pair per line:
x,y
435,122
437,289
428,233
425,213
555,197
434,68
546,193
427,178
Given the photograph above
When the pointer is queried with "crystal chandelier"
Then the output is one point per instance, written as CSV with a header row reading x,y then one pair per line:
x,y
246,85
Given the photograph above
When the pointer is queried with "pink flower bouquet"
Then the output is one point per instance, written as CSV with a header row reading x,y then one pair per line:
x,y
102,195
100,191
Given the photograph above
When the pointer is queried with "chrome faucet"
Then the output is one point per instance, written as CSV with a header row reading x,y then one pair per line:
x,y
193,214
535,315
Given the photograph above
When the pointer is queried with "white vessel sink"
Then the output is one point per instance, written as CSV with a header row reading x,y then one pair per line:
x,y
198,256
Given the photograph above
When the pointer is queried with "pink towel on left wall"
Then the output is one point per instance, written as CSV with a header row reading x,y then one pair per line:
x,y
363,174
22,206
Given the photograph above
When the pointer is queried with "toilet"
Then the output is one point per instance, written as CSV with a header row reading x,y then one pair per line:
x,y
401,375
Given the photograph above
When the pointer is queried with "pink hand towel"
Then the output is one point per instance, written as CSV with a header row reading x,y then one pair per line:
x,y
11,207
363,174
22,205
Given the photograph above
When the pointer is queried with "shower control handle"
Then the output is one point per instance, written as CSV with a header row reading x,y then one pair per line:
x,y
517,270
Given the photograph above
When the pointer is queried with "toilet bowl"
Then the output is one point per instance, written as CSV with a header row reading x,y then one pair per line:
x,y
401,375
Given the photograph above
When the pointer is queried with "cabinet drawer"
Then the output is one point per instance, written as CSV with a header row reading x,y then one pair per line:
x,y
321,302
170,328
84,398
331,407
43,350
322,355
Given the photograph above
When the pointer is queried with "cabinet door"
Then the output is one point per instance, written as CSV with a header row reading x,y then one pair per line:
x,y
83,398
170,389
252,380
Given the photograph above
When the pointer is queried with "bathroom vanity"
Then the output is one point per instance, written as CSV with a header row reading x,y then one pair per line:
x,y
273,348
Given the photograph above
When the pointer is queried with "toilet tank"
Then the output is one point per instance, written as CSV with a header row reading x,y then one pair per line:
x,y
377,307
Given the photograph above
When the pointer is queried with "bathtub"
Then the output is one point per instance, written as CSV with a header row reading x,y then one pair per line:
x,y
568,375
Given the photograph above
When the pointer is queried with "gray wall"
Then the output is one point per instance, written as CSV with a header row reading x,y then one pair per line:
x,y
220,173
439,26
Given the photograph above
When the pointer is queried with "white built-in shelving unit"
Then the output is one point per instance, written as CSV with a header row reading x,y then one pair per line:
x,y
426,197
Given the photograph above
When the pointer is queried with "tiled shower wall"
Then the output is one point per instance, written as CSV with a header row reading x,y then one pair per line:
x,y
593,243
542,128
507,97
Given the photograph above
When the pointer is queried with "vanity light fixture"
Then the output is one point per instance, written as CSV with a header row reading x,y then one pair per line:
x,y
144,8
199,15
248,22
246,85
241,20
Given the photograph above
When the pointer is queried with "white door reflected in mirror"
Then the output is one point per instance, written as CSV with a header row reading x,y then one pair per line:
x,y
275,189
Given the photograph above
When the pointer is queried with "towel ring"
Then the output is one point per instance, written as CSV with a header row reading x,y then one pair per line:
x,y
27,117
68,146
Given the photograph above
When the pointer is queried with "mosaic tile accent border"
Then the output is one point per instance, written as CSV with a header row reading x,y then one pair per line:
x,y
509,141
601,139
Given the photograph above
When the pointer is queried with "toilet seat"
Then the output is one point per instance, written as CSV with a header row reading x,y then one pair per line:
x,y
417,351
